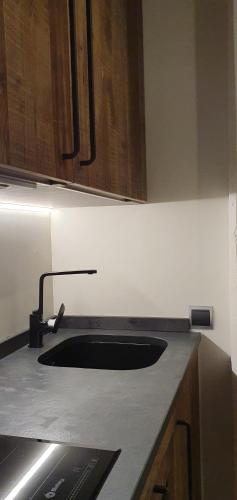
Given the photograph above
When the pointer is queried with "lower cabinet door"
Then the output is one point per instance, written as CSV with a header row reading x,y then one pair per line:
x,y
173,481
161,487
182,463
175,471
178,481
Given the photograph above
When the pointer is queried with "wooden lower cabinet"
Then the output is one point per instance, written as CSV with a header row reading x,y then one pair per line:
x,y
175,471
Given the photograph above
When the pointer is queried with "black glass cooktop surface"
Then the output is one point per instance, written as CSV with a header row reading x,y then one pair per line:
x,y
37,470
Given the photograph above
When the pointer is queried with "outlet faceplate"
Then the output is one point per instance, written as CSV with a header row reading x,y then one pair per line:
x,y
201,317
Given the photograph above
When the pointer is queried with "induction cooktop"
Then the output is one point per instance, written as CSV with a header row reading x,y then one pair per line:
x,y
32,469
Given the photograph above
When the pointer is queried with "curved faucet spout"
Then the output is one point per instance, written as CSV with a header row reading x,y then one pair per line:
x,y
38,327
60,273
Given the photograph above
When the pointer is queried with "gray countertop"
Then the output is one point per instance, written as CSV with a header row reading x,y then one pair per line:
x,y
95,408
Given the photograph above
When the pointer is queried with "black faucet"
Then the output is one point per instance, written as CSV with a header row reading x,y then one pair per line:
x,y
38,326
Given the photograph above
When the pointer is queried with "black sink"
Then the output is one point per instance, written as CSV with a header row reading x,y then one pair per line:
x,y
105,352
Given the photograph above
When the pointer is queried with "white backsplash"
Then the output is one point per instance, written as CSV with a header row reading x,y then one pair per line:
x,y
25,253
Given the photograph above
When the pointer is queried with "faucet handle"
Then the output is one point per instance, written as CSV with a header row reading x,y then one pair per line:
x,y
54,321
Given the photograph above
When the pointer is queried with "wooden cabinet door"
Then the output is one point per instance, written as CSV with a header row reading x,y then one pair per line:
x,y
176,466
157,487
161,486
116,39
187,411
161,466
63,53
169,476
28,139
178,479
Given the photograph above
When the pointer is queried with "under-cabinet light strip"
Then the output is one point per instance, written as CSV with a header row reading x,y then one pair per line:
x,y
25,208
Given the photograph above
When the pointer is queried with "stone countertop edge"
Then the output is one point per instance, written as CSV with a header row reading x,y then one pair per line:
x,y
126,410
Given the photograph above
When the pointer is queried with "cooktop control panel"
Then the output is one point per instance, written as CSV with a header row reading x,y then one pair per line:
x,y
38,470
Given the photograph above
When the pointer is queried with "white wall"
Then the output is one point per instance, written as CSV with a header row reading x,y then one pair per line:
x,y
25,252
152,260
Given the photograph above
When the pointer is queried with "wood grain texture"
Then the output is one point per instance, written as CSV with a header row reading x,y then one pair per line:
x,y
36,101
29,85
119,99
187,409
137,148
162,462
178,481
61,82
4,139
170,465
163,472
81,26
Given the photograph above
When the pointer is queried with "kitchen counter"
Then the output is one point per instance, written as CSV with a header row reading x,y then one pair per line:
x,y
95,408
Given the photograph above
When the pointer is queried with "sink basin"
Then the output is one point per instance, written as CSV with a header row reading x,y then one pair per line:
x,y
105,352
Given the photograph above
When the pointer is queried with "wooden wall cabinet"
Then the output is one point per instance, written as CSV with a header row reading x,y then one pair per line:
x,y
175,471
71,93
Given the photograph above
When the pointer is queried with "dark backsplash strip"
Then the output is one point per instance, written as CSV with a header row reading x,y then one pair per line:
x,y
125,323
102,323
13,344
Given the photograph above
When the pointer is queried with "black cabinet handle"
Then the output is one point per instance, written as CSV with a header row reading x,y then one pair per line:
x,y
162,490
74,83
91,97
189,455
